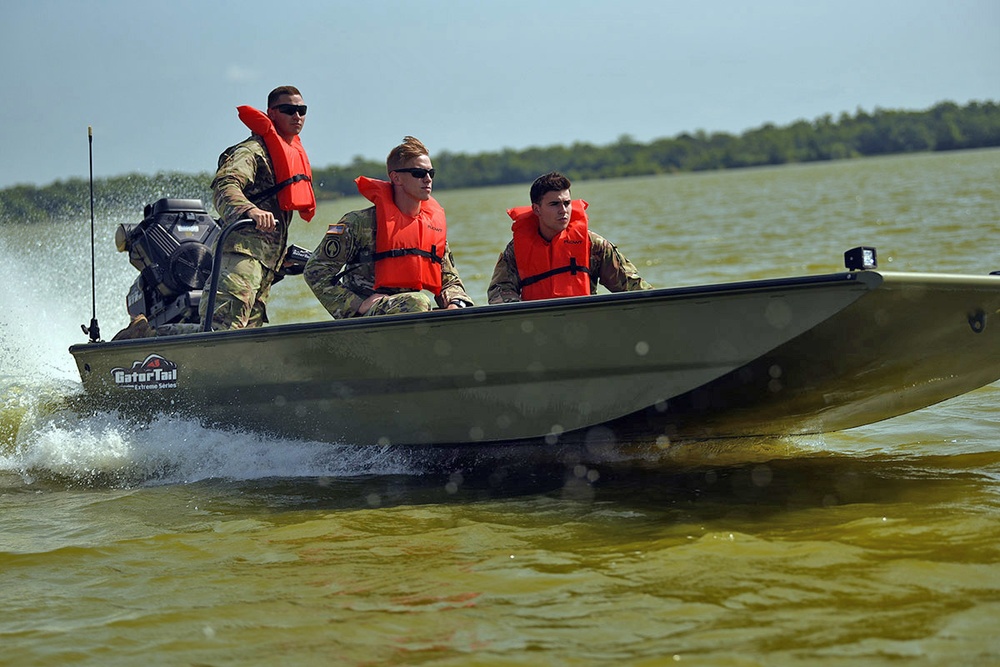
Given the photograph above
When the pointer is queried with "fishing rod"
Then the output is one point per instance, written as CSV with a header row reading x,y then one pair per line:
x,y
94,332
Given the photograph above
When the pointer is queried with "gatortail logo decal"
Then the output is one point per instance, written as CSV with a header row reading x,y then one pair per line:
x,y
153,372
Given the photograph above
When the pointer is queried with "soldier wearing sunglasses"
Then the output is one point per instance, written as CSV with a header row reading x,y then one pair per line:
x,y
392,257
251,183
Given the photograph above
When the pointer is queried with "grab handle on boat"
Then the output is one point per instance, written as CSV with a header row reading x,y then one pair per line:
x,y
217,267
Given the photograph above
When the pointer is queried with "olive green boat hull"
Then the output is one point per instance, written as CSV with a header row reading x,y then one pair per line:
x,y
757,358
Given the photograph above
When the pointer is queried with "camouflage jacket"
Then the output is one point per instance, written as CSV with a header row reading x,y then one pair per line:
x,y
245,170
341,272
607,265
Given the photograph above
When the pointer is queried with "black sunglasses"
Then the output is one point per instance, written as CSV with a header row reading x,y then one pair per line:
x,y
291,109
417,172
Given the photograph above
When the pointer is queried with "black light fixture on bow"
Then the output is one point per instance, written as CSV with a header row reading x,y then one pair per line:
x,y
860,258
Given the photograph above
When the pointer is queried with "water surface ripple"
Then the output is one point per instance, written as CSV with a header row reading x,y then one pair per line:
x,y
169,543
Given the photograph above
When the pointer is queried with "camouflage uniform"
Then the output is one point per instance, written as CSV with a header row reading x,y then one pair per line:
x,y
251,257
607,265
341,273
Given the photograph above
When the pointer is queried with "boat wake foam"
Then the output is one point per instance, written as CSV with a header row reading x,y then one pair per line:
x,y
105,450
44,440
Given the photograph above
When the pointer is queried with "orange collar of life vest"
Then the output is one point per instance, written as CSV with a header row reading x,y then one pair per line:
x,y
292,172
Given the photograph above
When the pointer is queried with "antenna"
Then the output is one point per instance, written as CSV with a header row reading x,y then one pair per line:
x,y
94,331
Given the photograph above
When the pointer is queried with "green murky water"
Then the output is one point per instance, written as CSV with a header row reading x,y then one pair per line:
x,y
175,544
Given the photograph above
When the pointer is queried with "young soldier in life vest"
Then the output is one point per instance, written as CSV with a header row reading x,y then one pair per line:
x,y
553,252
392,257
265,178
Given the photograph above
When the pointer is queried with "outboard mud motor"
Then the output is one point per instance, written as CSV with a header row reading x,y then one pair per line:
x,y
172,249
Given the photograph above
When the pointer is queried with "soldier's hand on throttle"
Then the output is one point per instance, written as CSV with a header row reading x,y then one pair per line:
x,y
264,219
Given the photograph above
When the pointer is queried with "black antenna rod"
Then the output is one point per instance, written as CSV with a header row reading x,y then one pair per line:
x,y
94,331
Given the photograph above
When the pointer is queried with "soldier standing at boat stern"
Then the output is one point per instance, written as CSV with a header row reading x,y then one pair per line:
x,y
392,257
554,253
265,178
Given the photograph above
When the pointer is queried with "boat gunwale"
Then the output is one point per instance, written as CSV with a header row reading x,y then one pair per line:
x,y
870,278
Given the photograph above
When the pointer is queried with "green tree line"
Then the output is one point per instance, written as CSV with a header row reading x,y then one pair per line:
x,y
945,126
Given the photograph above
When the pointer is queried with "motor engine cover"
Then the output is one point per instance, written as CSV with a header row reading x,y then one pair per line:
x,y
173,249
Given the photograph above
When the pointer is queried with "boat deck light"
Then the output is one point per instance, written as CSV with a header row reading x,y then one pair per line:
x,y
859,258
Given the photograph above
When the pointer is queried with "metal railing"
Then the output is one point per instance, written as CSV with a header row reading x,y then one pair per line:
x,y
217,268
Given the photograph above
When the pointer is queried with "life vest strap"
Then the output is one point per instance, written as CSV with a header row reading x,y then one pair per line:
x,y
402,252
274,189
573,269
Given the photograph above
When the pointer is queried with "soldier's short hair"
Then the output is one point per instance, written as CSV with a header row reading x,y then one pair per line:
x,y
273,96
410,148
552,181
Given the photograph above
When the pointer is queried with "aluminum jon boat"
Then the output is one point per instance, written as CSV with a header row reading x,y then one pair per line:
x,y
773,357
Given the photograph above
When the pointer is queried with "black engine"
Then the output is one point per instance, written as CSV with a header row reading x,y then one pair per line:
x,y
172,249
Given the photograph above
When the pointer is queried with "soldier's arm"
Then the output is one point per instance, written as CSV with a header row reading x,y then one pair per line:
x,y
235,174
323,270
505,285
615,272
452,288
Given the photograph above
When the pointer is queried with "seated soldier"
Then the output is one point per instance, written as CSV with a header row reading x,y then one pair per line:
x,y
554,253
385,259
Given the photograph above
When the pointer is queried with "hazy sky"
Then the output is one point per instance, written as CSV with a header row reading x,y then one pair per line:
x,y
159,81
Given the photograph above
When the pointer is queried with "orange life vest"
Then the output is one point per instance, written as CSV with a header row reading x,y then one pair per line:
x,y
408,251
556,268
292,173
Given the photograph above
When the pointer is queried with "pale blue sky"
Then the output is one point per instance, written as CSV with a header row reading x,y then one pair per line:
x,y
159,81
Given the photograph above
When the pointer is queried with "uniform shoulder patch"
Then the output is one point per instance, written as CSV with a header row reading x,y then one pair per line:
x,y
338,228
331,246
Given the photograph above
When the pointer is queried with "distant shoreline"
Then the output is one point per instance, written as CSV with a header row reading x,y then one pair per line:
x,y
944,127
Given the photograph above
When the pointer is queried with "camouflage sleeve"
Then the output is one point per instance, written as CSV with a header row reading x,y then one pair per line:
x,y
236,174
346,244
452,288
614,271
505,285
244,169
